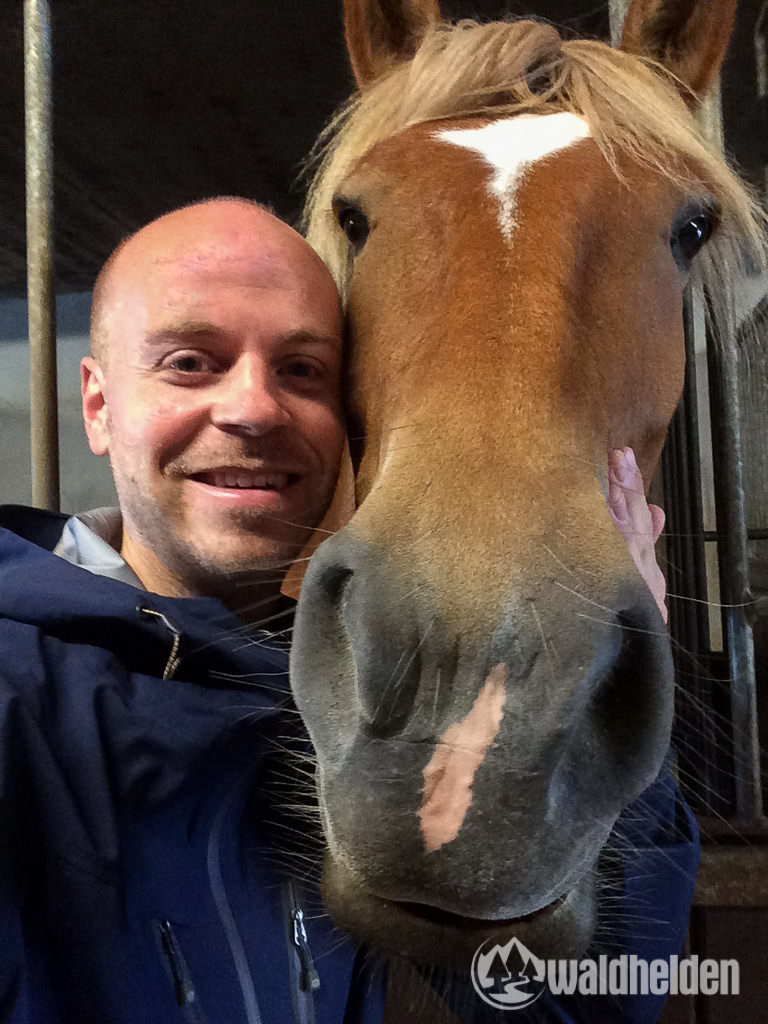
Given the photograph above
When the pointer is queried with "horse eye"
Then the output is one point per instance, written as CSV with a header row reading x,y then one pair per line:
x,y
692,234
354,224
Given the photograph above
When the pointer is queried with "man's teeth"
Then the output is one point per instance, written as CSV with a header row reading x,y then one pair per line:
x,y
246,479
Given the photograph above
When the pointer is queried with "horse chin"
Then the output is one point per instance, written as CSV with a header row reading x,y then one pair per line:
x,y
428,935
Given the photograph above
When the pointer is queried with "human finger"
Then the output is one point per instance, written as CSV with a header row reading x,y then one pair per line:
x,y
639,523
658,519
625,479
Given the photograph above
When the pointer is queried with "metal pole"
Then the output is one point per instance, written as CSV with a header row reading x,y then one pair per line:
x,y
761,64
617,12
723,358
44,434
734,572
695,733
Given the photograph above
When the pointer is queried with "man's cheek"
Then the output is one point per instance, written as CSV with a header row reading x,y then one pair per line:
x,y
162,430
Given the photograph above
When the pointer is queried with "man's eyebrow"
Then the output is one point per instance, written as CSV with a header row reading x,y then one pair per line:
x,y
200,329
311,338
180,331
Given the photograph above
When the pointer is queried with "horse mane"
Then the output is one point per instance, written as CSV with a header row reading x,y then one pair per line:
x,y
499,69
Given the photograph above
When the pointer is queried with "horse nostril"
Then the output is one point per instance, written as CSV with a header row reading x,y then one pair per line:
x,y
353,621
334,580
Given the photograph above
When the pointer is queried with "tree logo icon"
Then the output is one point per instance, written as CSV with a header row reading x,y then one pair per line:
x,y
509,976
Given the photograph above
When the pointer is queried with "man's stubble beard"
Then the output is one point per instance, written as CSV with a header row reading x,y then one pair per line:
x,y
208,567
159,526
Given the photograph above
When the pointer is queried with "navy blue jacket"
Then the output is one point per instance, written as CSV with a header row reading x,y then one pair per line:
x,y
141,840
140,877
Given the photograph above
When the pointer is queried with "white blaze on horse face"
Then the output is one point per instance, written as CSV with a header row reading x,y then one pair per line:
x,y
512,147
448,777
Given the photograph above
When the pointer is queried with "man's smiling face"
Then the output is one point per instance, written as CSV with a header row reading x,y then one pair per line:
x,y
217,395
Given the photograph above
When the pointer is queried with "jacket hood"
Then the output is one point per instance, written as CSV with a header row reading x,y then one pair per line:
x,y
40,589
163,687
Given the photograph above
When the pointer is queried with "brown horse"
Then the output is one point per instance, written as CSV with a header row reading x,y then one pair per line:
x,y
512,219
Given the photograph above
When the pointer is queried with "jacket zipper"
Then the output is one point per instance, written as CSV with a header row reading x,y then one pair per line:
x,y
309,979
183,985
304,972
174,660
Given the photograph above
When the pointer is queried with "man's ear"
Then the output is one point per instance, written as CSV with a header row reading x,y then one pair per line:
x,y
94,405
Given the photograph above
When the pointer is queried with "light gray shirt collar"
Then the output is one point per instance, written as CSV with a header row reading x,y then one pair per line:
x,y
92,540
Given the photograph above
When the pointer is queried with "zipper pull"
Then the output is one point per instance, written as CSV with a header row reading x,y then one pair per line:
x,y
173,658
309,979
184,989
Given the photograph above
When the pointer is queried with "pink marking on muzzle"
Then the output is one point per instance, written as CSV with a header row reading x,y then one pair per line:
x,y
448,778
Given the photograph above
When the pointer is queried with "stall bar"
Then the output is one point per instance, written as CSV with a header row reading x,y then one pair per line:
x,y
41,298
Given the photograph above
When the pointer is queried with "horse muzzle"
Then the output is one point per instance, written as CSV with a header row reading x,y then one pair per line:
x,y
472,761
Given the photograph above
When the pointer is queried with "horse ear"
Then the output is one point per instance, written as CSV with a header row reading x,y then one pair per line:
x,y
380,33
689,37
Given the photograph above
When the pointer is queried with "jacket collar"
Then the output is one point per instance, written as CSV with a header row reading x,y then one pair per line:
x,y
66,600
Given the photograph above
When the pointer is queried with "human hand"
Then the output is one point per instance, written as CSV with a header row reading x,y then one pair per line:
x,y
639,523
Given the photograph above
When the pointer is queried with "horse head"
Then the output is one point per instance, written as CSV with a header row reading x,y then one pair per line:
x,y
511,219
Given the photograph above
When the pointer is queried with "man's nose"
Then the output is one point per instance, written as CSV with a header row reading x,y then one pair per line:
x,y
249,399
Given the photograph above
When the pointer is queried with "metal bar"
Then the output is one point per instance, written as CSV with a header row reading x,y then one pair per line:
x,y
732,877
761,66
617,12
694,734
757,534
723,359
720,831
44,434
693,472
704,740
761,50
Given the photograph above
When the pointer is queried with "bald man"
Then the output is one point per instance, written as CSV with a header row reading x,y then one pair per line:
x,y
146,723
140,715
214,389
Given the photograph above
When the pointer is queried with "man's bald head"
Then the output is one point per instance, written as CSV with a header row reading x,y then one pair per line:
x,y
169,230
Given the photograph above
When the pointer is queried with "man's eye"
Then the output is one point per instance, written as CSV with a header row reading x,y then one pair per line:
x,y
303,369
190,362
